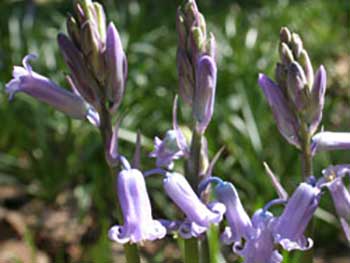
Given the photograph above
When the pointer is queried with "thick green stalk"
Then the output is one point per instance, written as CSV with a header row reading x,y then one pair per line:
x,y
307,170
192,171
131,250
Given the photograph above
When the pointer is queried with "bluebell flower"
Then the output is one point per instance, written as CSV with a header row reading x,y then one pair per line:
x,y
289,227
139,224
27,81
239,224
198,216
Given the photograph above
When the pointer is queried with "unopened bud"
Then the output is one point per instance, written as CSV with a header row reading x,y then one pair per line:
x,y
81,76
87,7
201,24
296,82
296,44
101,20
92,49
73,30
186,78
285,35
204,96
281,76
116,64
181,29
304,60
191,13
211,47
199,38
286,54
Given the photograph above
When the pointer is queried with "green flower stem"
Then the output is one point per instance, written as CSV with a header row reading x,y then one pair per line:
x,y
307,170
192,171
191,250
131,251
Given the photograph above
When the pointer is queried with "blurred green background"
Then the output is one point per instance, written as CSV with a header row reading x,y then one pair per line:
x,y
47,155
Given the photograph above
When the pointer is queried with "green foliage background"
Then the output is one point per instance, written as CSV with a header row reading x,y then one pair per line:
x,y
48,152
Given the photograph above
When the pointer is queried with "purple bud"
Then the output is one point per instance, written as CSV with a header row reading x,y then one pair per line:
x,y
81,76
186,78
137,212
204,96
116,67
289,228
27,81
239,224
285,119
198,216
296,85
260,248
317,98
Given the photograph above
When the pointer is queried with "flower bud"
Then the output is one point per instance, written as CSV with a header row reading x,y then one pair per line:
x,y
181,29
296,82
73,30
204,97
286,54
92,48
296,44
100,20
81,76
285,35
116,65
305,62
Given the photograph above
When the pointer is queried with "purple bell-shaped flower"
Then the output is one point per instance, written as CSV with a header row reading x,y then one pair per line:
x,y
137,212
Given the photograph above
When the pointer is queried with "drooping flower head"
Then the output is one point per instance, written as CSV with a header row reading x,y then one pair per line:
x,y
139,224
198,216
27,81
333,180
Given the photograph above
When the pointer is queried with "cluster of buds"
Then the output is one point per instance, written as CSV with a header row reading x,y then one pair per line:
x,y
297,96
196,63
95,55
97,63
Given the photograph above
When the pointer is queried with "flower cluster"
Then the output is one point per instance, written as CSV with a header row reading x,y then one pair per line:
x,y
98,72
